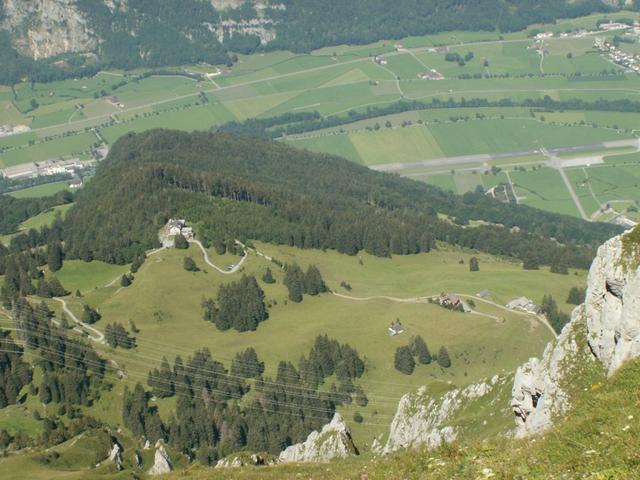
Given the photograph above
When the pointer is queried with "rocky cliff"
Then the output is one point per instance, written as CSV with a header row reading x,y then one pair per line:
x,y
428,419
45,28
333,441
605,330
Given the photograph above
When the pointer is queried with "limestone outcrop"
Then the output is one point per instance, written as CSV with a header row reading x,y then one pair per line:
x,y
427,421
605,329
333,441
161,462
45,28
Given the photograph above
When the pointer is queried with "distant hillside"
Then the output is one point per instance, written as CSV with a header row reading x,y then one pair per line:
x,y
243,188
48,39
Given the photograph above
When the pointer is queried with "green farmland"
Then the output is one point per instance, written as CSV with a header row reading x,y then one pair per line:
x,y
335,80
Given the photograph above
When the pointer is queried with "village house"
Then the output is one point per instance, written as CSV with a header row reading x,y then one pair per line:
x,y
395,329
449,300
525,304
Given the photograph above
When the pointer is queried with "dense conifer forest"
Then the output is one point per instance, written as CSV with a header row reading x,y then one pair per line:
x,y
245,188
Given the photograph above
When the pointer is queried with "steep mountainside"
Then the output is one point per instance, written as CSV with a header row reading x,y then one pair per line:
x,y
134,33
604,331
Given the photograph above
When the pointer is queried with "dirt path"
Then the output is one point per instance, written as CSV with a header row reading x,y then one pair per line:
x,y
99,336
208,262
425,299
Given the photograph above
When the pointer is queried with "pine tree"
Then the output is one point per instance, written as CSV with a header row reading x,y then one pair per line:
x,y
313,282
404,361
43,289
54,256
90,315
268,276
443,357
419,349
57,290
189,265
474,264
294,281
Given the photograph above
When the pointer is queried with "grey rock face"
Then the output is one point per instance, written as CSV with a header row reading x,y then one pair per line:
x,y
610,321
423,420
333,441
44,28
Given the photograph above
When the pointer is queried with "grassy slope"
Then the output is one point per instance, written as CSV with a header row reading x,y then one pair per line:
x,y
164,303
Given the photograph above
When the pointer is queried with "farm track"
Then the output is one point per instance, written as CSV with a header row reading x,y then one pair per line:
x,y
425,299
230,271
99,336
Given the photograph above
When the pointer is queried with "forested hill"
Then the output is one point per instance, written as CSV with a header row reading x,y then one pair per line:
x,y
157,33
245,188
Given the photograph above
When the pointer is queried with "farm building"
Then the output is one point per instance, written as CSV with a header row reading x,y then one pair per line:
x,y
525,304
395,329
178,227
449,300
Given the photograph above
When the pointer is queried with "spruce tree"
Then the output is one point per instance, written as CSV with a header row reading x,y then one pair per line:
x,y
443,357
268,276
419,349
54,256
474,264
404,361
189,265
57,290
125,281
294,281
313,282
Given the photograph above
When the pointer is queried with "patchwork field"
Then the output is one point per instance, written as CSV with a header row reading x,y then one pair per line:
x,y
336,80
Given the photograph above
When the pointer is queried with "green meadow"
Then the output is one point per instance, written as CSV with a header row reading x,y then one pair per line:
x,y
164,303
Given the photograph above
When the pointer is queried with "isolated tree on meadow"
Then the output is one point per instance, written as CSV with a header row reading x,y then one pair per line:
x,y
189,265
419,349
443,357
268,276
403,361
125,281
474,264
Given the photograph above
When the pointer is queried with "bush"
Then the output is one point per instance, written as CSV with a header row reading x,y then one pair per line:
x,y
357,417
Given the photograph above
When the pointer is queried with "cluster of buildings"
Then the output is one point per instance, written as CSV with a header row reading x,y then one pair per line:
x,y
379,60
178,226
617,56
452,302
44,168
9,129
431,75
524,304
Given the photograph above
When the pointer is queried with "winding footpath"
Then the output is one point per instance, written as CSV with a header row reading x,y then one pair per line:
x,y
99,336
229,271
